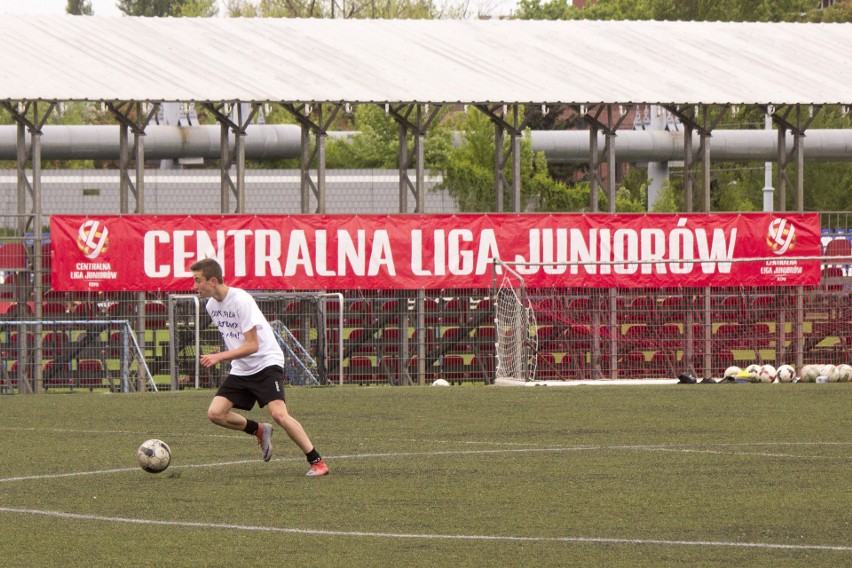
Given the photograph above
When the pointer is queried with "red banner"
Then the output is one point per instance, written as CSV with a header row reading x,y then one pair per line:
x,y
321,252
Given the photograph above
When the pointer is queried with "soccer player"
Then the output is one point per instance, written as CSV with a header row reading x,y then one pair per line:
x,y
257,365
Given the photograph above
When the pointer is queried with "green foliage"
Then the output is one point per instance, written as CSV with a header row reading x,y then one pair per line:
x,y
469,171
376,142
376,145
163,8
670,10
838,13
360,9
667,200
79,8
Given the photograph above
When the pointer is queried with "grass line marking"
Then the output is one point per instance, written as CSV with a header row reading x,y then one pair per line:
x,y
368,534
655,448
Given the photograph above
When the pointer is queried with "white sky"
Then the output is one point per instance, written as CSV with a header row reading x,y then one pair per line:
x,y
101,7
107,7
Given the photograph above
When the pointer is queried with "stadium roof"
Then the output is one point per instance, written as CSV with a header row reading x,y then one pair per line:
x,y
74,58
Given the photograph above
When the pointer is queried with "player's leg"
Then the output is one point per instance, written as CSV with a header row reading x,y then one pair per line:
x,y
294,429
219,413
278,410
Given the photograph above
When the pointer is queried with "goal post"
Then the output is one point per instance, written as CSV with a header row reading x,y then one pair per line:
x,y
515,323
306,326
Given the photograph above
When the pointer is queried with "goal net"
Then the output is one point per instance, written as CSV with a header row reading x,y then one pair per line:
x,y
305,326
515,328
299,367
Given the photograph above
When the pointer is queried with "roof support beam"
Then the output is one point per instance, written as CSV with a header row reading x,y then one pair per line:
x,y
416,119
701,119
28,117
609,126
515,127
797,124
133,116
304,115
242,117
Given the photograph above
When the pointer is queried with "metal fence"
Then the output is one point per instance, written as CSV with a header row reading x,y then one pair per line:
x,y
404,337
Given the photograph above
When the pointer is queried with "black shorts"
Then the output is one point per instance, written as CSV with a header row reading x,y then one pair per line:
x,y
262,387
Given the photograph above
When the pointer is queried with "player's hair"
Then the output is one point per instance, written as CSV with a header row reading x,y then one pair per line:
x,y
209,268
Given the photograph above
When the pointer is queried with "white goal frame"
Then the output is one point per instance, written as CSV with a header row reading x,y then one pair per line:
x,y
290,340
515,324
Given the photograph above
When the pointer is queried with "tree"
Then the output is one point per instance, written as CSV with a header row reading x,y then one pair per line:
x,y
163,8
468,174
350,9
79,8
669,10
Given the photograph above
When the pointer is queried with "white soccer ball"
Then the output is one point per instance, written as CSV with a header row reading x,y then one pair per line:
x,y
809,373
844,373
829,372
753,373
731,372
786,373
154,455
440,383
766,374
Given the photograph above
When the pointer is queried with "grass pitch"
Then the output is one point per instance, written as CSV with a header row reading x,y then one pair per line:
x,y
674,475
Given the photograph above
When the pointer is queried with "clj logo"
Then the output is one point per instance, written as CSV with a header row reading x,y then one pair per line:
x,y
92,238
781,236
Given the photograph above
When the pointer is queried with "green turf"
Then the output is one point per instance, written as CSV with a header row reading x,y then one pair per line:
x,y
461,476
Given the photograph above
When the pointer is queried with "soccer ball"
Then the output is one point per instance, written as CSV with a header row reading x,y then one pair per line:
x,y
753,372
809,373
786,373
829,371
844,373
154,455
731,372
766,374
440,383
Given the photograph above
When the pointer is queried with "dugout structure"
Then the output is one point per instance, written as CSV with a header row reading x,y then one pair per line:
x,y
39,355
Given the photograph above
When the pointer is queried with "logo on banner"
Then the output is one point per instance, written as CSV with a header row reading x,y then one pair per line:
x,y
781,236
92,238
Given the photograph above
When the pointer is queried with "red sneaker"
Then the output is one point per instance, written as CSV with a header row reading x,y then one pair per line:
x,y
317,469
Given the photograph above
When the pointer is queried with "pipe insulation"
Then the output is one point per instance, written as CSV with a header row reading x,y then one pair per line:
x,y
276,141
563,147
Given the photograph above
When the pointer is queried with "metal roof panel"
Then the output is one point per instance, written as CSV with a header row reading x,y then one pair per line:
x,y
439,61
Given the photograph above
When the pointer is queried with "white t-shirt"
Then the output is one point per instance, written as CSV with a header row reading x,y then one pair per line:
x,y
236,314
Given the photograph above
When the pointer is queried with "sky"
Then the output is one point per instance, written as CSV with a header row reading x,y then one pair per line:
x,y
101,7
107,7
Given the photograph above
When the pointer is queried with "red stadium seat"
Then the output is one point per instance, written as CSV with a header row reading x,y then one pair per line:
x,y
156,315
454,312
360,370
359,313
13,256
454,369
90,373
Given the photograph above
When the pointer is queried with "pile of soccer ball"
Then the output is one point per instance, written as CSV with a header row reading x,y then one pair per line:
x,y
787,374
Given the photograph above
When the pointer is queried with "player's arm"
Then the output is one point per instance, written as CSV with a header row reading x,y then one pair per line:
x,y
249,346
